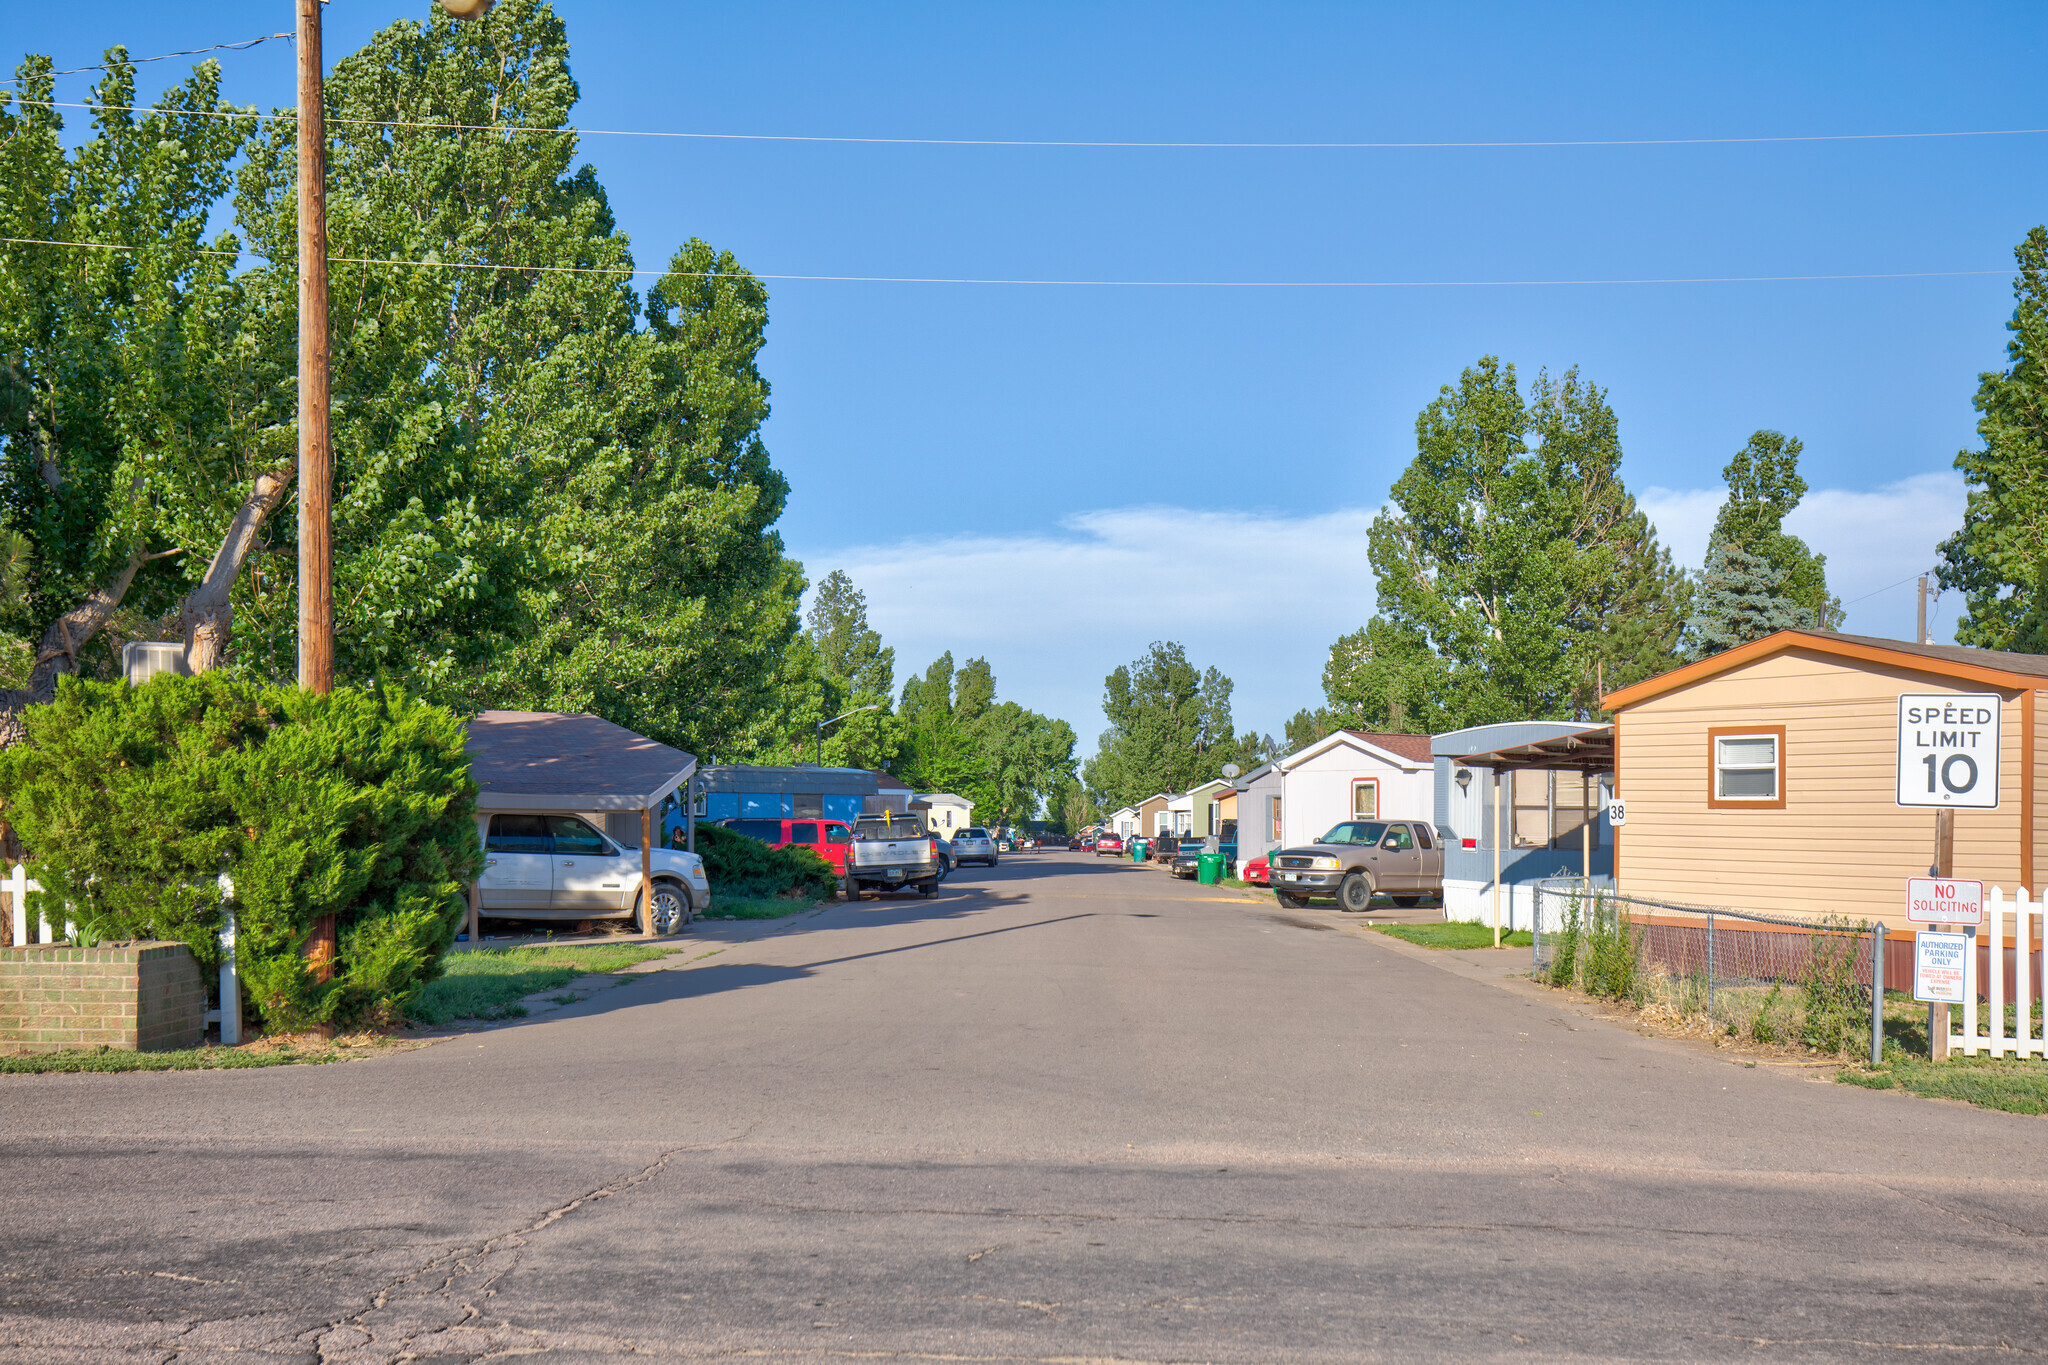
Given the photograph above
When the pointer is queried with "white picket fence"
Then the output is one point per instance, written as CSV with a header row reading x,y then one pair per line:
x,y
19,884
2011,926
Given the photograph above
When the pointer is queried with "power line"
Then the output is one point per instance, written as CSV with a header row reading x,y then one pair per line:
x,y
1887,588
436,125
1088,284
164,57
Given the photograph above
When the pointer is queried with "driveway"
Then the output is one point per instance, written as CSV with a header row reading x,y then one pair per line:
x,y
1068,1109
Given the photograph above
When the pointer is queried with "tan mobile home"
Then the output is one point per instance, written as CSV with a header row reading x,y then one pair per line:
x,y
1764,778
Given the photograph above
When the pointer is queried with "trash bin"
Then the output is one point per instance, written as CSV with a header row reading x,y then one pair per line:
x,y
1140,850
1209,868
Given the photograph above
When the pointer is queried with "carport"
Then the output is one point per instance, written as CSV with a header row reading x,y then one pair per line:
x,y
1589,752
552,761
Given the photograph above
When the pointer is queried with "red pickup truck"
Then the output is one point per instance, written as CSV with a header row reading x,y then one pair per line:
x,y
829,839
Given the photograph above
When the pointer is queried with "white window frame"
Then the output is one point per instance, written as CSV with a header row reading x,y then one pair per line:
x,y
1776,767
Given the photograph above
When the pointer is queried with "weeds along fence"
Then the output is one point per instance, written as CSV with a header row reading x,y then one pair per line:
x,y
1722,972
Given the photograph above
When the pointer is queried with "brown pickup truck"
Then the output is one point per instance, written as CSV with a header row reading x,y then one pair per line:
x,y
1356,860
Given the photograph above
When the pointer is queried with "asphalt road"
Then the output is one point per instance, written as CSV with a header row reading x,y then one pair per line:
x,y
1067,1110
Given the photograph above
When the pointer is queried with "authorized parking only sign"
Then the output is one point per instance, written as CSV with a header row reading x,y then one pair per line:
x,y
1948,750
1938,967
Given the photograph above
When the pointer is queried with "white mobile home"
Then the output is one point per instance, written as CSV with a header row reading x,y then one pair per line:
x,y
1355,775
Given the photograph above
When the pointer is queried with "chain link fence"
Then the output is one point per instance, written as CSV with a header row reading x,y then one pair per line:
x,y
1723,972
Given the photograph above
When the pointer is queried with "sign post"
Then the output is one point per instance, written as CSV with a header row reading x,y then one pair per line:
x,y
1947,761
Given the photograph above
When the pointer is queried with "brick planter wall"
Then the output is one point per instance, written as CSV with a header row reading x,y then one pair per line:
x,y
138,997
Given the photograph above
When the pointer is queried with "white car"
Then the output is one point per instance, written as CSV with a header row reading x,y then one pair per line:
x,y
973,846
557,865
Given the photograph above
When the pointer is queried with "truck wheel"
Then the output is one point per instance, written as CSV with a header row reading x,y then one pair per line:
x,y
925,888
1354,893
1290,900
671,910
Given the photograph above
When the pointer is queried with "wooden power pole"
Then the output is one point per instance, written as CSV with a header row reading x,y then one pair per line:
x,y
316,450
1920,633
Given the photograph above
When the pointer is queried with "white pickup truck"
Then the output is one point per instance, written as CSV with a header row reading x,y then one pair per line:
x,y
892,852
556,865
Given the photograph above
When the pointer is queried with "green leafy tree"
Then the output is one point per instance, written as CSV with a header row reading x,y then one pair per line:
x,y
550,492
1516,573
1026,759
1005,758
1070,807
937,755
1764,485
855,669
1169,728
113,358
1741,598
1997,557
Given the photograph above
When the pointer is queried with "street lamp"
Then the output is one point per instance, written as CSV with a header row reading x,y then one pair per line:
x,y
834,721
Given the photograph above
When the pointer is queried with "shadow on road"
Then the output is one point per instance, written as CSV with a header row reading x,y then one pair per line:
x,y
691,983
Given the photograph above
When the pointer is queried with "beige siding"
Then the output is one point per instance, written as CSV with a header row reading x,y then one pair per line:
x,y
1841,844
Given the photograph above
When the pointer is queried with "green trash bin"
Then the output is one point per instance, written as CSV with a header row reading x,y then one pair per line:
x,y
1140,850
1209,868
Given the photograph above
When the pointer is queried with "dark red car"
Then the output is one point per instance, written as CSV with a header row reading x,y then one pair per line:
x,y
1109,843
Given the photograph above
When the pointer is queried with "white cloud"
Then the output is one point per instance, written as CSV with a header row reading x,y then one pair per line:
x,y
1876,542
1263,596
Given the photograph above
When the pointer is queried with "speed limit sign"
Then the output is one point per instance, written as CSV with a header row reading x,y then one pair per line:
x,y
1948,750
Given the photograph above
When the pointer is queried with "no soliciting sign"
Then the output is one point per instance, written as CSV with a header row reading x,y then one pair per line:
x,y
1944,900
1948,750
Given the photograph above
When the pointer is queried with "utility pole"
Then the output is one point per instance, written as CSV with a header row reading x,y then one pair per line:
x,y
1920,635
316,451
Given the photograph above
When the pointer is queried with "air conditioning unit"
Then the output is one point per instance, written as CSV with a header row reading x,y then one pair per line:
x,y
142,660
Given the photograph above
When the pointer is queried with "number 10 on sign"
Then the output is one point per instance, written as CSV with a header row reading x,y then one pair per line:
x,y
1948,750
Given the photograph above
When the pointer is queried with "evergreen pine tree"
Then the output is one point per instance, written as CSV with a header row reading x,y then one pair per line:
x,y
1740,598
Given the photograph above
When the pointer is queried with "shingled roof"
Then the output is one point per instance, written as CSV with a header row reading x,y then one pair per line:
x,y
548,760
1994,666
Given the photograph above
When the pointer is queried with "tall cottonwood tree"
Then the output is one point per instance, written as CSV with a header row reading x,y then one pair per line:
x,y
1999,558
112,344
1764,486
1169,728
549,492
1516,573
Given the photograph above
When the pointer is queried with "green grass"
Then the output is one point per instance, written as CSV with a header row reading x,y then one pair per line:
x,y
1455,934
757,907
187,1059
488,983
2016,1087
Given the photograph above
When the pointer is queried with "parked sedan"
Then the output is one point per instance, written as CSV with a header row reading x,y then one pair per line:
x,y
1109,843
1255,872
972,845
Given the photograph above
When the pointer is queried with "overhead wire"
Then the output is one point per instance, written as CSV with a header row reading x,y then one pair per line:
x,y
437,125
161,57
1054,283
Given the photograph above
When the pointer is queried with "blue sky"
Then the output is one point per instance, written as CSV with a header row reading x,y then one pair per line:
x,y
1053,476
